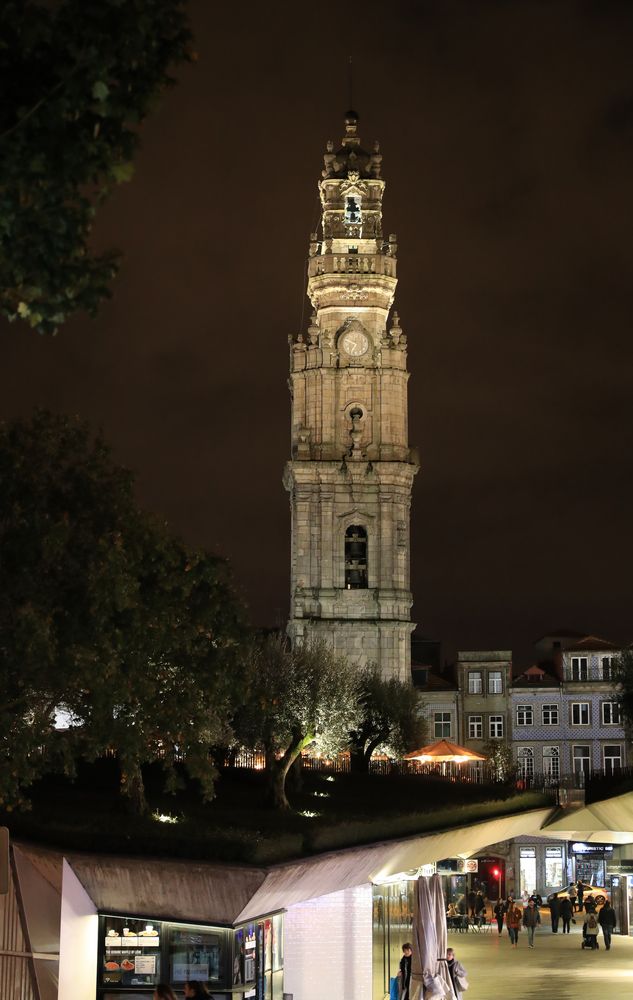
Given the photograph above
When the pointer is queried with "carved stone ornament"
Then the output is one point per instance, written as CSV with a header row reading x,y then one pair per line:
x,y
355,293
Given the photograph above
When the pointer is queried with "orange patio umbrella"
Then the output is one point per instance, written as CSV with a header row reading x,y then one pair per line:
x,y
444,752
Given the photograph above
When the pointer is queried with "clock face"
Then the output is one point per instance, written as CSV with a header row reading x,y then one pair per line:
x,y
355,343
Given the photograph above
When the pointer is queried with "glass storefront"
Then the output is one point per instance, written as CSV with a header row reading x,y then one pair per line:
x,y
392,922
136,953
527,870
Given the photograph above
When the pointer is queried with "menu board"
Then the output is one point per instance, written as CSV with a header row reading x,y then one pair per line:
x,y
131,954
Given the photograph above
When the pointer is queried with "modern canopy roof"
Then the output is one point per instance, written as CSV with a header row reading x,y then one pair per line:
x,y
444,752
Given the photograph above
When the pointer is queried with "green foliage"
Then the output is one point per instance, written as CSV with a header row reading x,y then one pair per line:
x,y
500,759
623,678
101,612
390,718
291,698
78,78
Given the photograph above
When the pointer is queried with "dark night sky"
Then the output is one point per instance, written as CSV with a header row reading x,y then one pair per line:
x,y
507,135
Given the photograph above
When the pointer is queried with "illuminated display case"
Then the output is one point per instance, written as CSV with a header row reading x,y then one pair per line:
x,y
136,953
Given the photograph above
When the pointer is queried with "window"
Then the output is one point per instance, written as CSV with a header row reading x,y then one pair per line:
x,y
550,715
442,725
356,558
610,713
581,760
495,682
475,727
474,682
551,765
553,867
526,762
352,209
612,758
579,669
495,727
580,713
525,716
607,672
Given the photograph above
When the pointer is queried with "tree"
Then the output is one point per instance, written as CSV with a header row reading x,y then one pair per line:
x,y
294,697
622,676
500,759
390,717
78,78
102,612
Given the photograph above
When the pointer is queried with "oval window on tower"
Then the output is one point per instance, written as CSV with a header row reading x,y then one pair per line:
x,y
356,558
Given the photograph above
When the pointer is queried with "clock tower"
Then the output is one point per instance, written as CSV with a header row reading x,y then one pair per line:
x,y
351,471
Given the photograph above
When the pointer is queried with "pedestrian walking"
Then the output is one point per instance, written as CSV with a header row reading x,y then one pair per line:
x,y
499,911
580,888
573,897
405,971
514,919
531,920
607,919
480,907
566,911
457,972
590,904
472,902
554,912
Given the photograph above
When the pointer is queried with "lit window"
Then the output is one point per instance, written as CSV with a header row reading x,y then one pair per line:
x,y
610,713
475,727
474,682
355,558
550,715
495,724
442,725
580,713
495,682
525,715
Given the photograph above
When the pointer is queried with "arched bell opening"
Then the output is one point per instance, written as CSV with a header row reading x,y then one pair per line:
x,y
356,558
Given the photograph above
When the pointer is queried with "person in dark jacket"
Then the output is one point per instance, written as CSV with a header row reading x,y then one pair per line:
x,y
499,911
405,971
590,904
480,907
607,920
554,912
566,911
580,888
472,902
531,920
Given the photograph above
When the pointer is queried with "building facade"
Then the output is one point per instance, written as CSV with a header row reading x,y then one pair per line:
x,y
565,714
351,471
483,680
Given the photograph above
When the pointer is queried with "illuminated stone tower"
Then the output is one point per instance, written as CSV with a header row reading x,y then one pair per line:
x,y
351,471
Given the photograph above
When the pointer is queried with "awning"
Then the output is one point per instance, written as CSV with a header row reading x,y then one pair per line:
x,y
606,822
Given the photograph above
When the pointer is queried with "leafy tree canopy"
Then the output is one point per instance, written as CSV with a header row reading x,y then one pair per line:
x,y
102,612
389,717
623,678
293,697
78,77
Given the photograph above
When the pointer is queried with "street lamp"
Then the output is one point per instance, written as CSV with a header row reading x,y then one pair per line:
x,y
496,872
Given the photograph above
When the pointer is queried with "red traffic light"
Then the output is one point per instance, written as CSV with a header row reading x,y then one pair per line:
x,y
496,872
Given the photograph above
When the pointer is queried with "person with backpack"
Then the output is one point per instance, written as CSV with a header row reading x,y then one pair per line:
x,y
590,930
606,919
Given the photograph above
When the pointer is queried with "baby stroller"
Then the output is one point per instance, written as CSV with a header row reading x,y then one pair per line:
x,y
590,930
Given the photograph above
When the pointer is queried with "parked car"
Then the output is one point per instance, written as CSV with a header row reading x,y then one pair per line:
x,y
599,894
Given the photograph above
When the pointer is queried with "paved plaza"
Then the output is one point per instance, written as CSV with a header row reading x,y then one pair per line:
x,y
555,969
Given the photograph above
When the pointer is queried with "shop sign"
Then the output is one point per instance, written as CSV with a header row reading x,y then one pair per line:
x,y
471,865
593,850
